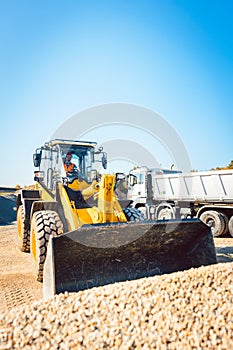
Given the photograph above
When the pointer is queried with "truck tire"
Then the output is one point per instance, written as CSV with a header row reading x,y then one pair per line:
x,y
44,224
133,214
215,220
166,214
230,226
226,220
23,233
143,211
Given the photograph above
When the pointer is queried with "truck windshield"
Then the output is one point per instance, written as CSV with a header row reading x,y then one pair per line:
x,y
136,179
140,178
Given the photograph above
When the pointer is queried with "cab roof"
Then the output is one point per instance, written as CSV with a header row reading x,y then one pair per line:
x,y
70,142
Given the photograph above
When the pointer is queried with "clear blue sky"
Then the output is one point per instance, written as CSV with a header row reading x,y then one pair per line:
x,y
60,57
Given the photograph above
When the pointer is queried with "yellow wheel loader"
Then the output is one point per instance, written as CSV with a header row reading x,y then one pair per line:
x,y
80,235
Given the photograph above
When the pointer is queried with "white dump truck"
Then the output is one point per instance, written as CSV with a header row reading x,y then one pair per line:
x,y
169,194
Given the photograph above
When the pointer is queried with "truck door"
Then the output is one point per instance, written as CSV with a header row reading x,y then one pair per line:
x,y
136,186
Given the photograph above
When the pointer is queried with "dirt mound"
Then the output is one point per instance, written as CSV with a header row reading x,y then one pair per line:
x,y
7,209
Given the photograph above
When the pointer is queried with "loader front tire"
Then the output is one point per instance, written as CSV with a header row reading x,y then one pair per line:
x,y
44,224
133,214
23,232
215,220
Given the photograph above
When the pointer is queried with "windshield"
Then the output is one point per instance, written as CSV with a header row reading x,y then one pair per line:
x,y
82,157
136,178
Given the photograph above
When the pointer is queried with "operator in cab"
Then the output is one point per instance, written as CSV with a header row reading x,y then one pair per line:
x,y
70,168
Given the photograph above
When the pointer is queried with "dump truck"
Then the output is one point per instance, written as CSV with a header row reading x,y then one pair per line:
x,y
171,194
80,235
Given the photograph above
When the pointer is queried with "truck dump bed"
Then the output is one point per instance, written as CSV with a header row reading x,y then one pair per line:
x,y
207,186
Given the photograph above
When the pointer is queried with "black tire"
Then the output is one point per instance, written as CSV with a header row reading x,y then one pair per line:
x,y
225,218
230,226
215,220
44,224
23,234
166,214
133,214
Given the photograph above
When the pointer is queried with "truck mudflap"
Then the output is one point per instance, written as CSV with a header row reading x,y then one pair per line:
x,y
95,255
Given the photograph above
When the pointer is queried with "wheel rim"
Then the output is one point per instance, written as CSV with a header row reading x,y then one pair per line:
x,y
165,214
33,244
210,223
19,226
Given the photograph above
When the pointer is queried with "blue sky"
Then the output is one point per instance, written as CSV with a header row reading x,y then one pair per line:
x,y
60,57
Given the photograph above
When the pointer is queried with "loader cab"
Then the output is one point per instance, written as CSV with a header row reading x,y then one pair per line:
x,y
50,160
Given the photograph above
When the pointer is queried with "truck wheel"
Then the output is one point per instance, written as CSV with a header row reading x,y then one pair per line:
x,y
44,224
166,214
23,233
230,226
215,220
143,211
133,214
225,218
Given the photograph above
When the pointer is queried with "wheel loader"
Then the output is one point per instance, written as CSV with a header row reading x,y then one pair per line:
x,y
80,235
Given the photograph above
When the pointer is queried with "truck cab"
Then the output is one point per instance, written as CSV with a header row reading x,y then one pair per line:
x,y
137,189
139,182
141,189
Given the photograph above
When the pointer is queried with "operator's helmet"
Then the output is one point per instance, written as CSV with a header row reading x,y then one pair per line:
x,y
68,154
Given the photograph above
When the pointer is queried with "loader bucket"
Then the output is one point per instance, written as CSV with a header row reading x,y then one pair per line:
x,y
96,255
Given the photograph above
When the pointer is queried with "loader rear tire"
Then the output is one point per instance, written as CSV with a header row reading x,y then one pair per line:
x,y
23,233
133,214
215,220
230,226
44,224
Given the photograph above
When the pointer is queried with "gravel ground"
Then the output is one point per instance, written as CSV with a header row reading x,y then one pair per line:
x,y
183,310
18,285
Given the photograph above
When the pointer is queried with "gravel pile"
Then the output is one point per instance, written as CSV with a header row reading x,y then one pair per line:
x,y
183,310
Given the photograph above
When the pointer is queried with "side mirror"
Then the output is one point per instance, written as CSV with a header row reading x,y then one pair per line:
x,y
36,159
104,160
